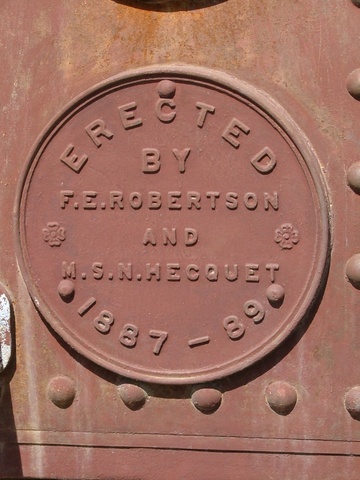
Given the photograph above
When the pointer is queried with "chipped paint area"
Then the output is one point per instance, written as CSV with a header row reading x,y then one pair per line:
x,y
5,332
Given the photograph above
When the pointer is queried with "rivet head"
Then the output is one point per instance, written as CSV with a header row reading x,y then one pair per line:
x,y
353,84
133,396
352,270
281,397
166,89
352,402
353,177
206,400
66,290
275,294
61,391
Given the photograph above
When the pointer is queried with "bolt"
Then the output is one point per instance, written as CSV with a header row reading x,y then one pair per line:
x,y
281,397
352,402
207,400
353,83
61,391
166,89
66,290
133,396
275,294
352,270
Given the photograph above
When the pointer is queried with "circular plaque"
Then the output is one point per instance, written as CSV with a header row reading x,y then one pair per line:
x,y
173,225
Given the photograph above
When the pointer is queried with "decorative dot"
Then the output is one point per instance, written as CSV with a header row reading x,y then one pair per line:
x,y
166,89
275,294
61,391
352,402
353,270
103,206
353,84
83,276
206,400
76,206
133,396
281,397
111,276
138,277
66,290
353,177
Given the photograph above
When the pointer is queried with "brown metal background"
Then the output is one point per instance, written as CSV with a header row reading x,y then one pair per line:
x,y
301,54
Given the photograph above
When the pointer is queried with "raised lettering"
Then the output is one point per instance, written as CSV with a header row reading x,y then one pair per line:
x,y
135,200
272,200
181,157
211,272
125,271
204,110
231,200
171,270
88,204
233,130
69,270
172,200
98,270
193,199
73,161
272,268
149,237
250,272
116,199
250,201
191,237
153,271
192,272
265,161
150,160
213,196
231,275
169,236
127,115
163,116
97,129
64,197
154,200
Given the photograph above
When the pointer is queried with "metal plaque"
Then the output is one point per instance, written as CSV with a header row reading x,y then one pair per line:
x,y
173,225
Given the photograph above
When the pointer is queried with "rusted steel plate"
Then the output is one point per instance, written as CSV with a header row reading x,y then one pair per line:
x,y
173,225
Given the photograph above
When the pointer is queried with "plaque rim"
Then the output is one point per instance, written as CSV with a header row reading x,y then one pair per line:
x,y
281,118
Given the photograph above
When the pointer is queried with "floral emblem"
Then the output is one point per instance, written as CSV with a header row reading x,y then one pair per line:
x,y
286,236
54,234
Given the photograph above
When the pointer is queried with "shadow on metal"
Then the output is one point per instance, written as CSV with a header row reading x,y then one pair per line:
x,y
170,5
10,459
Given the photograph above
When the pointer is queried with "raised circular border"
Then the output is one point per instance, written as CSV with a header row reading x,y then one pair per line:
x,y
271,109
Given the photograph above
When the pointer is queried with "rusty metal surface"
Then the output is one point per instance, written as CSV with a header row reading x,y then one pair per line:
x,y
77,403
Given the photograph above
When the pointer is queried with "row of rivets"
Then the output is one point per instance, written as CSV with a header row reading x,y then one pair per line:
x,y
280,396
353,175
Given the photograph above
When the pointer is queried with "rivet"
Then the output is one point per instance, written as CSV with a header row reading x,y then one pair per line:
x,y
275,294
353,177
166,89
61,391
66,290
352,270
352,402
353,84
281,397
133,396
207,400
